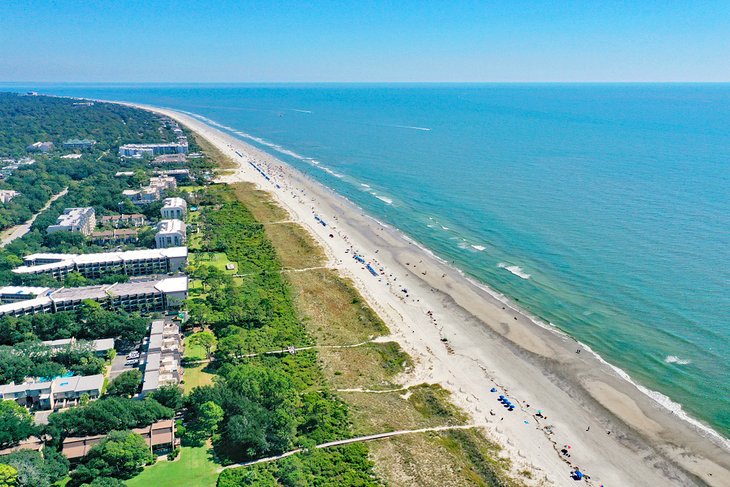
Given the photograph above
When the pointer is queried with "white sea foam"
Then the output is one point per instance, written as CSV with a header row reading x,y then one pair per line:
x,y
423,129
387,201
480,248
300,111
514,269
444,228
364,185
661,399
331,172
673,359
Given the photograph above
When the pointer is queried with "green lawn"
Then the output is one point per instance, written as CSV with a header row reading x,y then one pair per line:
x,y
193,351
195,376
193,468
216,259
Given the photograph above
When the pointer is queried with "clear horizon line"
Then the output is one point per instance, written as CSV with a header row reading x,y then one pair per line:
x,y
3,82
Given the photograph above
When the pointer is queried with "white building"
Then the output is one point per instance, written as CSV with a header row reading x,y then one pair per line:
x,y
7,194
150,150
156,189
81,220
174,208
56,394
148,295
130,263
170,233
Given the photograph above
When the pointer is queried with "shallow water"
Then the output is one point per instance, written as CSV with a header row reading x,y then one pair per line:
x,y
603,209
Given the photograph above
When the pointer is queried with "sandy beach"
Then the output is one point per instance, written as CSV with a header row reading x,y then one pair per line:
x,y
468,339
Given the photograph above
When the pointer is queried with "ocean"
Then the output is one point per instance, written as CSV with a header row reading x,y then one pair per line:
x,y
603,209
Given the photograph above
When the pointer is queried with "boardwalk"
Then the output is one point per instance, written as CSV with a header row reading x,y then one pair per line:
x,y
358,439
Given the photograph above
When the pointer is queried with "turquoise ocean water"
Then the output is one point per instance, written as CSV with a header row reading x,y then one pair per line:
x,y
603,209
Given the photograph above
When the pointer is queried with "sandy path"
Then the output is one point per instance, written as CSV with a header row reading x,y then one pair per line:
x,y
19,230
491,344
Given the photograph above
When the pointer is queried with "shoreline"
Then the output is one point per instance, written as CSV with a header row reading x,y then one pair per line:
x,y
597,393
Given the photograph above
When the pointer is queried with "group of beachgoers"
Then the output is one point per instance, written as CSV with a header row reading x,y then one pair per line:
x,y
278,177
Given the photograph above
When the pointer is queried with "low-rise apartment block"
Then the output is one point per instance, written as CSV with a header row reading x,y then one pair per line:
x,y
156,189
151,150
174,209
170,233
80,144
169,159
130,263
148,295
116,236
82,220
122,221
56,394
178,174
100,347
160,438
40,147
162,361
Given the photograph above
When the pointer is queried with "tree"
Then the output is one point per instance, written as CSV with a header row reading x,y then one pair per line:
x,y
122,455
36,469
126,384
105,482
16,423
170,396
209,417
204,339
8,475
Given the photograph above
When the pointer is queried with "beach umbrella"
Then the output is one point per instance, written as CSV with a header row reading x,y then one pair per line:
x,y
501,397
493,389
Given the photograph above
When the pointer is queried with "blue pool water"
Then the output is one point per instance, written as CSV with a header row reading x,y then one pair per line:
x,y
604,209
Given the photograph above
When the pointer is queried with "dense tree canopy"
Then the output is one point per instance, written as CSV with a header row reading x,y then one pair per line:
x,y
126,384
38,469
121,455
16,423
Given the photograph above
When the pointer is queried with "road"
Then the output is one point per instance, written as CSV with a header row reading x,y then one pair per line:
x,y
19,230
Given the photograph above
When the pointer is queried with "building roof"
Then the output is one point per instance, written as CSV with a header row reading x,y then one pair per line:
x,y
100,345
173,284
23,290
170,226
69,260
157,327
151,381
175,202
153,361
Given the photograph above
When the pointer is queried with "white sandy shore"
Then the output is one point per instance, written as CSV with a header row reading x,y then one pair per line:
x,y
491,344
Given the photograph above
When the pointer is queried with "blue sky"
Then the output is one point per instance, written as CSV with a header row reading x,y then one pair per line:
x,y
368,41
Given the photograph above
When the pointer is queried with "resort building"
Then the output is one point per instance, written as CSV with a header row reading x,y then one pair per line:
x,y
162,360
170,233
56,394
160,438
7,194
130,263
40,147
82,220
12,294
169,159
101,347
151,150
122,221
79,144
174,209
156,189
178,174
148,295
116,236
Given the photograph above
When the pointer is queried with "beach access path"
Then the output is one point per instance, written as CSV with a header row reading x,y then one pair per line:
x,y
618,435
18,231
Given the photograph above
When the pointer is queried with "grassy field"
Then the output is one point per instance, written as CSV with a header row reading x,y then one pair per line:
x,y
215,259
195,376
222,160
295,247
332,310
194,467
259,203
